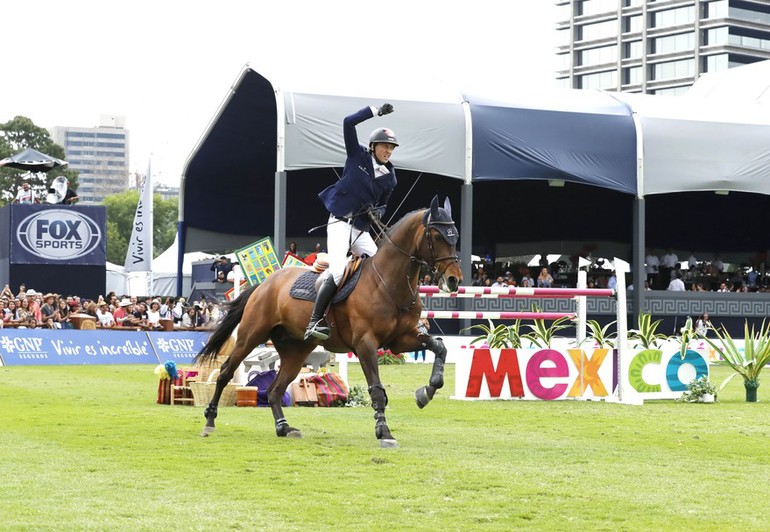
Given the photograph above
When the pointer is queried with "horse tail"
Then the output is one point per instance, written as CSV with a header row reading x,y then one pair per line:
x,y
220,336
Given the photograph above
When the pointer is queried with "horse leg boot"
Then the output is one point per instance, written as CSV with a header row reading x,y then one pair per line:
x,y
379,402
424,394
210,414
316,330
225,375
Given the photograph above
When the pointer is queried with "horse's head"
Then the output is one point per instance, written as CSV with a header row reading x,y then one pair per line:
x,y
441,240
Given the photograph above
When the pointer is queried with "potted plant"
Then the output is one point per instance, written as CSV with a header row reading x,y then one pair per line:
x,y
600,335
646,334
542,334
498,337
700,390
749,363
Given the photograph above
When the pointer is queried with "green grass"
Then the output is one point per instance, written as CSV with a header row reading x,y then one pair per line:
x,y
87,447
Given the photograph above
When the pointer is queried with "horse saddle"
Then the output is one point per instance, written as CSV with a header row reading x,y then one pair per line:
x,y
304,287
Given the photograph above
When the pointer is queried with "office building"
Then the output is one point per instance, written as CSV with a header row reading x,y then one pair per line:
x,y
657,46
99,154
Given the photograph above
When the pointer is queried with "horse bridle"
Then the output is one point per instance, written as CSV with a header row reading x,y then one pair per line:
x,y
434,260
432,266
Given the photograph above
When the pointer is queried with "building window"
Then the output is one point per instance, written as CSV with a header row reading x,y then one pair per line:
x,y
632,76
632,24
563,37
717,36
594,7
600,80
749,42
716,63
632,50
564,12
749,15
598,56
674,43
671,91
673,17
632,3
673,70
600,30
718,9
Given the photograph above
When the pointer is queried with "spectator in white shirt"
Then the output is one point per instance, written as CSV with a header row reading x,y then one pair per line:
x,y
26,195
106,319
153,315
676,284
651,262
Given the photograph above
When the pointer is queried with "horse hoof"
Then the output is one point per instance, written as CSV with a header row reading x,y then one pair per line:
x,y
423,395
388,444
207,431
294,434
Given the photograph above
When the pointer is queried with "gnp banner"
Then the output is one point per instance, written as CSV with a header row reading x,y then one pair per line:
x,y
179,346
46,347
52,234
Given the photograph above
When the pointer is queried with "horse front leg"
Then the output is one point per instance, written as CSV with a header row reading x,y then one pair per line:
x,y
369,365
424,394
225,375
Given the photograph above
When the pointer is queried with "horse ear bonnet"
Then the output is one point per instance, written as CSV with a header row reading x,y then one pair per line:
x,y
440,220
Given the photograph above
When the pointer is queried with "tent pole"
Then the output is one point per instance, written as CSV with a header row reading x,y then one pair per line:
x,y
638,255
181,231
466,239
279,221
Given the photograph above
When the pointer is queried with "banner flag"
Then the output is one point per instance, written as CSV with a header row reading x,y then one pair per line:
x,y
139,255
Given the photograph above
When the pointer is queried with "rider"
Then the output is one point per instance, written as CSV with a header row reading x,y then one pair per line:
x,y
368,179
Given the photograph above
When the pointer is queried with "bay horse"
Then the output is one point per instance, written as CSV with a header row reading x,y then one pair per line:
x,y
381,312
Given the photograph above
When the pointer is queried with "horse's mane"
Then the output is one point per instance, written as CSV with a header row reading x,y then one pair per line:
x,y
392,229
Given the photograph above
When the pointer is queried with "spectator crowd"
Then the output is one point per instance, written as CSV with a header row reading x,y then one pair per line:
x,y
31,309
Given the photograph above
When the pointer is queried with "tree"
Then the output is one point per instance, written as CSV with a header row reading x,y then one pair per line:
x,y
17,135
120,221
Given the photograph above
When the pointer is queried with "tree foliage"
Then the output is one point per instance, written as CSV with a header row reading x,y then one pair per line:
x,y
120,220
19,134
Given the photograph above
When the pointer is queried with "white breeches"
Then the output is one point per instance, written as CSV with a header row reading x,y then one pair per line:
x,y
341,237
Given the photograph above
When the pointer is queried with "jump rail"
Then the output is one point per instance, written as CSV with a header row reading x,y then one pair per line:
x,y
480,291
472,315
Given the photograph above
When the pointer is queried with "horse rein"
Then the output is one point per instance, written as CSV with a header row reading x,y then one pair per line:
x,y
382,230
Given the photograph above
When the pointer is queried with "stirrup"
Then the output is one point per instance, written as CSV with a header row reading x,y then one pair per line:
x,y
316,331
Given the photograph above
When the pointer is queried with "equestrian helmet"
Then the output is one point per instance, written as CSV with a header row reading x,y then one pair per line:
x,y
384,135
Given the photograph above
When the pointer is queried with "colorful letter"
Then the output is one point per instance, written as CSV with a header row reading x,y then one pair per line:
x,y
642,358
535,372
672,370
588,372
482,367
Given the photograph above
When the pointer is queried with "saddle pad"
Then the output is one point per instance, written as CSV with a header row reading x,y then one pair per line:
x,y
304,287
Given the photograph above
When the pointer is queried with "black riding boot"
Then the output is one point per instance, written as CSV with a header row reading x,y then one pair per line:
x,y
315,329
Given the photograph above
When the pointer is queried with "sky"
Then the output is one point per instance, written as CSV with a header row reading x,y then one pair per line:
x,y
167,66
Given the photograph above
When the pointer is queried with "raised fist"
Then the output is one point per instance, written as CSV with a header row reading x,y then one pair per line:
x,y
385,109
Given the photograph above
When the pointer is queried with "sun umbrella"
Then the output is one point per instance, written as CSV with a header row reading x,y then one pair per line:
x,y
33,161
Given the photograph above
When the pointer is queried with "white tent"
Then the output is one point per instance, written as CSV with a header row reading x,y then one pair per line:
x,y
163,272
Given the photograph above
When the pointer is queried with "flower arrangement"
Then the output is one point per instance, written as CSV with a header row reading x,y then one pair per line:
x,y
387,357
701,390
358,396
